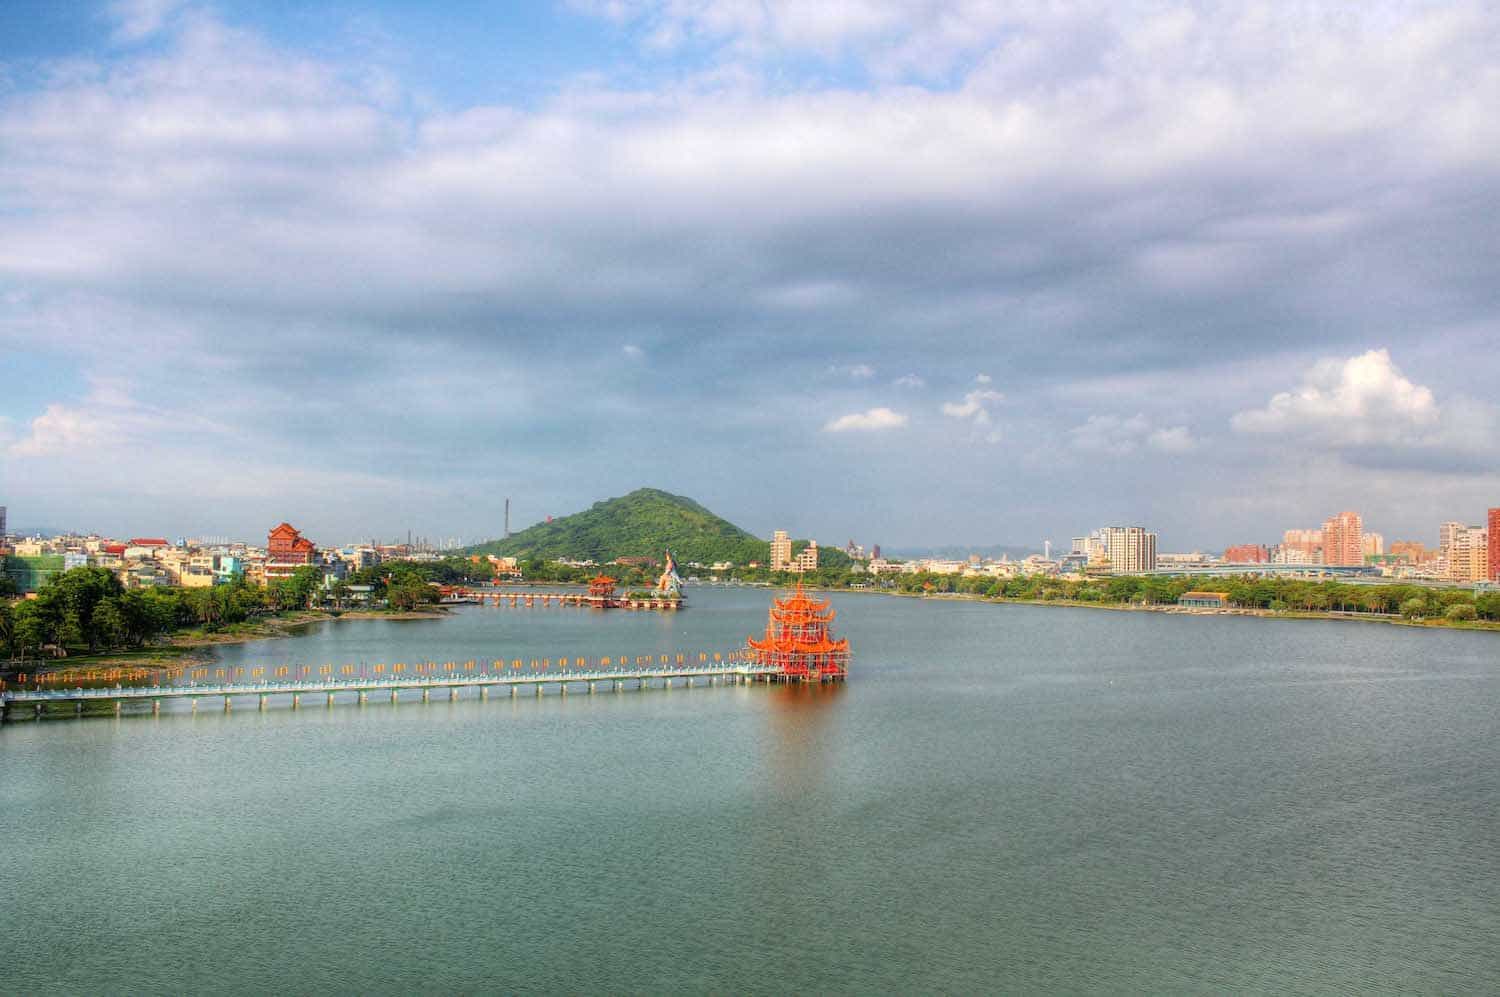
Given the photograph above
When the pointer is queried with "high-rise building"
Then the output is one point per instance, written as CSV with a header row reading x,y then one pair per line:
x,y
1469,554
781,551
1446,532
1494,545
2,523
1092,548
1373,545
1411,550
1285,554
1130,549
1343,540
1309,542
1247,554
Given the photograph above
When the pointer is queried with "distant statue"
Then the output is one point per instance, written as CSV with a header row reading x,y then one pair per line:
x,y
670,583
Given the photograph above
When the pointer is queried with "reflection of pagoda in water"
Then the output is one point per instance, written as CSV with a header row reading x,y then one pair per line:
x,y
797,641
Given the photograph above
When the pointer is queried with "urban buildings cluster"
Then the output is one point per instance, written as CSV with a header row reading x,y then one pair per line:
x,y
782,558
157,561
1463,554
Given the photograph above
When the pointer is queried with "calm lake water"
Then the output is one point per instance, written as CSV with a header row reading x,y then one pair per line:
x,y
1003,798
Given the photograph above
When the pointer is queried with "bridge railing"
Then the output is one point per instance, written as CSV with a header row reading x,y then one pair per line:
x,y
422,672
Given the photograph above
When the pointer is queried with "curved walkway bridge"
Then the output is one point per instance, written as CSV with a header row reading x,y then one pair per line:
x,y
733,668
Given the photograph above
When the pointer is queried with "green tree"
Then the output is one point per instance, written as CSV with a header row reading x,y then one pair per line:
x,y
1414,609
1462,612
409,593
29,630
7,629
110,624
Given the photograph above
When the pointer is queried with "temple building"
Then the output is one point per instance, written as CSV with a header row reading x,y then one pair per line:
x,y
797,641
286,551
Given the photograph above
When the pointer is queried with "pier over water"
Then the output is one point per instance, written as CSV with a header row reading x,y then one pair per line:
x,y
46,695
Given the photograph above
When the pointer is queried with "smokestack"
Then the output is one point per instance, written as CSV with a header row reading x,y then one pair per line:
x,y
507,518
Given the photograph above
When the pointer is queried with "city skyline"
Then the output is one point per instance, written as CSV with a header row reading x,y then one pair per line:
x,y
376,270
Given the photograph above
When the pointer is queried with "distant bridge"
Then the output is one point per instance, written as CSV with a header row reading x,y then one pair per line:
x,y
735,667
532,600
1267,570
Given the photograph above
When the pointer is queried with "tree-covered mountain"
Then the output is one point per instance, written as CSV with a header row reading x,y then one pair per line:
x,y
642,524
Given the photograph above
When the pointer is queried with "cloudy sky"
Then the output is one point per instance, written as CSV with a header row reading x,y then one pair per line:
x,y
913,272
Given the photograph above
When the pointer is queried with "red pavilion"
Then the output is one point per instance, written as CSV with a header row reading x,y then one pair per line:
x,y
797,642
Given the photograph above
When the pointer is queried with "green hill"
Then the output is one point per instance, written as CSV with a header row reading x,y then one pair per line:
x,y
641,524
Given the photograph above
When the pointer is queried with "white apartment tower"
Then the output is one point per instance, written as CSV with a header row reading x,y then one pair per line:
x,y
1130,549
781,551
1468,554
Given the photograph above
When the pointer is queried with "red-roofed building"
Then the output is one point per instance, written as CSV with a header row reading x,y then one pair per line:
x,y
148,542
286,551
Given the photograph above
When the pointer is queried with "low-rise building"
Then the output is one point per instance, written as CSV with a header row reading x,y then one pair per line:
x,y
196,577
806,559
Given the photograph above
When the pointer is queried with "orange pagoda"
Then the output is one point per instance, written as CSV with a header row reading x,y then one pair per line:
x,y
797,642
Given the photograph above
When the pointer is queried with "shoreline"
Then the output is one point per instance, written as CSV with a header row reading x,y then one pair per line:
x,y
184,649
1336,616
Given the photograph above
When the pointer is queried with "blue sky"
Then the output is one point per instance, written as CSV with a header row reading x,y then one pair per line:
x,y
914,272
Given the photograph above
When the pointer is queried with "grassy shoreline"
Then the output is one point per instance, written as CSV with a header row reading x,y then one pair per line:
x,y
1179,610
185,648
1489,626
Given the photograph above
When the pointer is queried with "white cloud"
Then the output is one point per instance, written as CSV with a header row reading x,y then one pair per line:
x,y
1172,439
61,429
975,406
1367,410
909,381
137,20
1110,433
1124,434
982,379
632,351
868,421
861,371
1365,399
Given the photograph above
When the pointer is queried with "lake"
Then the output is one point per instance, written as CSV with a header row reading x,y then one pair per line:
x,y
1002,798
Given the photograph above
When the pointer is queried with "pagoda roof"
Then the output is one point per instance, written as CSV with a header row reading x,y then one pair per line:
x,y
800,647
